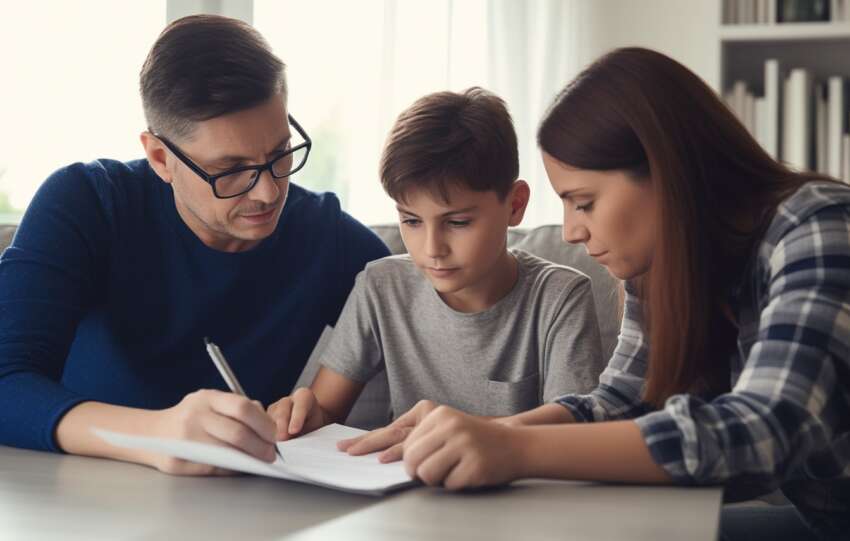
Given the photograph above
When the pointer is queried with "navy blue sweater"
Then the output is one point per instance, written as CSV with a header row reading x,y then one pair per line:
x,y
106,295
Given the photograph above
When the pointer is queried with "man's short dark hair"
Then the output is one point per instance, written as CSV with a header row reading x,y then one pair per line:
x,y
204,66
447,139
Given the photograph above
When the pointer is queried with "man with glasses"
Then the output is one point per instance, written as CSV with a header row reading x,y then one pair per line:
x,y
119,270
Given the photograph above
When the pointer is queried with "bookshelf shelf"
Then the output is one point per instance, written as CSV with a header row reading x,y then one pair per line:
x,y
785,32
822,47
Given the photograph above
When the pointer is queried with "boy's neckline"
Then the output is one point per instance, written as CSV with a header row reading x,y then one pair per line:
x,y
517,274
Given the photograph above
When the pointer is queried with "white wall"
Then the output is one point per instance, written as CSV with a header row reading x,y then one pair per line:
x,y
686,30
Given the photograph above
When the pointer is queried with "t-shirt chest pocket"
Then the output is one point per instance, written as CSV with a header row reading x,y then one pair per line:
x,y
511,397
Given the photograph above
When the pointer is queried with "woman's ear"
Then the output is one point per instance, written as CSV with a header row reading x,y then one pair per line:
x,y
518,196
156,154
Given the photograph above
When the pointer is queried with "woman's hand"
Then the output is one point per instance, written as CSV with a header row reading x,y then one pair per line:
x,y
457,450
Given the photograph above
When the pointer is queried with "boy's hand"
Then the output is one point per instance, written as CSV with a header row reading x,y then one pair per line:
x,y
297,414
389,439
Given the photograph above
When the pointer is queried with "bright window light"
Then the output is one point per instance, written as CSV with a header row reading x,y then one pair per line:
x,y
71,90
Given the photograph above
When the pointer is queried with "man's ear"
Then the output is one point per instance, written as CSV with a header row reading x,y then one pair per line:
x,y
156,153
518,197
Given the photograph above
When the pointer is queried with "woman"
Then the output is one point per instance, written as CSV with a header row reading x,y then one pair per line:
x,y
733,365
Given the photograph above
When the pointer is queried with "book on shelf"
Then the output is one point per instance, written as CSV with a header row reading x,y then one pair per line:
x,y
836,114
797,11
797,123
773,99
845,160
784,11
761,122
796,118
821,127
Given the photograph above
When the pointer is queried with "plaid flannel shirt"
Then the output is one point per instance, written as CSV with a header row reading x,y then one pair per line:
x,y
786,421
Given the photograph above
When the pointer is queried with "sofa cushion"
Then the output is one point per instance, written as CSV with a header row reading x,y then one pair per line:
x,y
546,242
6,234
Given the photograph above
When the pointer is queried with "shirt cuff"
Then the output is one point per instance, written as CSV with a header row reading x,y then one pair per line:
x,y
665,442
581,412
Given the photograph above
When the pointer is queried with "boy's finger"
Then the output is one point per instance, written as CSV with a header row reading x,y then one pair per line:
x,y
405,421
281,416
379,440
300,408
343,445
393,454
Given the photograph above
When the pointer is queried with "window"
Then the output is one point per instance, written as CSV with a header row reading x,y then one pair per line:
x,y
71,88
354,66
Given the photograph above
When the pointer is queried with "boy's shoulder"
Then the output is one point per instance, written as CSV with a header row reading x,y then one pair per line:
x,y
391,264
393,269
544,274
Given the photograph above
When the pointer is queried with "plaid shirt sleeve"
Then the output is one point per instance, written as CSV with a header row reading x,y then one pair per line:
x,y
788,406
618,395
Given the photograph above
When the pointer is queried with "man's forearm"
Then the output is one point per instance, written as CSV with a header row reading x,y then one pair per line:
x,y
74,435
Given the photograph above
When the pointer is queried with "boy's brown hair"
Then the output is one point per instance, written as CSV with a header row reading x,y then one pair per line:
x,y
448,139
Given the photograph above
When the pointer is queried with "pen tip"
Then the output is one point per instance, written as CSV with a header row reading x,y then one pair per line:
x,y
206,340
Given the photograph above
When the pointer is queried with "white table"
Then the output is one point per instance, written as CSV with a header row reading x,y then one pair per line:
x,y
47,496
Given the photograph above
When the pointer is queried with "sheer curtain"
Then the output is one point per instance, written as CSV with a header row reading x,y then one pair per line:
x,y
70,89
354,66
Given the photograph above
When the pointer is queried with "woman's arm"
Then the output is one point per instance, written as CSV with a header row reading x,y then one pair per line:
x,y
460,451
610,451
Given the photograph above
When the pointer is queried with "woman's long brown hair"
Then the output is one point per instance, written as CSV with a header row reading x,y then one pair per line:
x,y
716,188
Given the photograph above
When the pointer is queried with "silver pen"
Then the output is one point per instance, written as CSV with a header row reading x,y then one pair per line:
x,y
227,374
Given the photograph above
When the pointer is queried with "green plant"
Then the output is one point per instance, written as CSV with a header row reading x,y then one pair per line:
x,y
6,205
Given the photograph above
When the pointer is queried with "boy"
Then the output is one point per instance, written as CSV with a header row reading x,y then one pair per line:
x,y
460,320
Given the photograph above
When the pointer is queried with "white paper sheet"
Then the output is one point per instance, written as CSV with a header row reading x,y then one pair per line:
x,y
312,458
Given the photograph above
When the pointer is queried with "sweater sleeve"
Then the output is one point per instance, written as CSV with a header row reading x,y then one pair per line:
x,y
48,281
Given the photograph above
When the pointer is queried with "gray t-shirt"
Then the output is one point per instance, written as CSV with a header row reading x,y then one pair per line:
x,y
539,342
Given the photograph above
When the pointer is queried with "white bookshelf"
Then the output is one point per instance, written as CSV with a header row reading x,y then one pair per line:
x,y
822,48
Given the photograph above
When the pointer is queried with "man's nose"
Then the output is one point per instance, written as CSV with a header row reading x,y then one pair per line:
x,y
267,189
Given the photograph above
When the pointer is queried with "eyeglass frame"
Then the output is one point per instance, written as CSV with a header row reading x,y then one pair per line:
x,y
210,179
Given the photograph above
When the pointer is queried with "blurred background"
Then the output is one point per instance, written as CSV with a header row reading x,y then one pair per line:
x,y
70,74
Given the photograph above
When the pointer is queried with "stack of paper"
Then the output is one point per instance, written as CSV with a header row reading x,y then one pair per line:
x,y
312,458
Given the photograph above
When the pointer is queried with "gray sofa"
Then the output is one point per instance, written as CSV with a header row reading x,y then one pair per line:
x,y
372,409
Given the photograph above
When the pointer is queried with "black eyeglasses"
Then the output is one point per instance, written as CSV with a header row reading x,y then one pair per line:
x,y
239,180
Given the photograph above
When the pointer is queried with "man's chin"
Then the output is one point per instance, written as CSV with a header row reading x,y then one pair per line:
x,y
257,226
253,232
